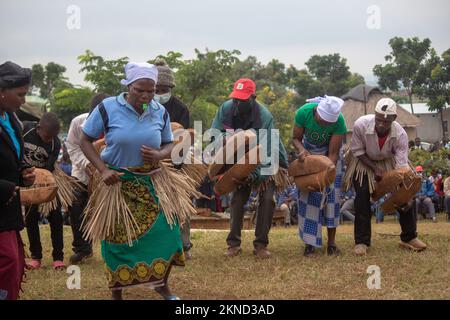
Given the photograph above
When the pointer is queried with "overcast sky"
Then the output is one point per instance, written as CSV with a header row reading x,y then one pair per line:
x,y
35,31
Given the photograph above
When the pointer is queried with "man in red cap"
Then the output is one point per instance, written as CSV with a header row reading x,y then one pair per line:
x,y
244,112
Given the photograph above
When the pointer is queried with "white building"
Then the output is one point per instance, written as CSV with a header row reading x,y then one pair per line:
x,y
430,127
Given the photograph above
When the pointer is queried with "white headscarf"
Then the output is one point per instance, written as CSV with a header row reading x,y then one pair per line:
x,y
139,70
329,107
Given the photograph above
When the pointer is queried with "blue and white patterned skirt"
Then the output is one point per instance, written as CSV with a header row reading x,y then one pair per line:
x,y
313,210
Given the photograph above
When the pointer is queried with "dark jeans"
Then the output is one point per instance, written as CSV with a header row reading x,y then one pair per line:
x,y
363,215
79,245
447,206
264,215
55,219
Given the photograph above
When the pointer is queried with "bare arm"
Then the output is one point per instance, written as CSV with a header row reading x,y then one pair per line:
x,y
166,150
109,177
297,137
334,147
151,155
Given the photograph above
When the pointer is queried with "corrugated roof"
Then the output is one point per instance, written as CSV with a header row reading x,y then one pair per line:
x,y
419,108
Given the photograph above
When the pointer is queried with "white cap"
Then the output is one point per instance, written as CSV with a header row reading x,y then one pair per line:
x,y
329,107
139,70
386,106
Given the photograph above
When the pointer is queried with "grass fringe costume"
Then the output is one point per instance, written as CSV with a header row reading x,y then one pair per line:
x,y
138,222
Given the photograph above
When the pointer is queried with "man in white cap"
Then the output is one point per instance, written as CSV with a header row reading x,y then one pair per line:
x,y
379,144
320,129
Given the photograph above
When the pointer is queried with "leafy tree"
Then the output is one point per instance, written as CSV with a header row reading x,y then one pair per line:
x,y
305,86
203,111
105,75
283,111
431,162
70,102
333,74
172,58
47,79
404,63
436,82
248,68
206,76
330,66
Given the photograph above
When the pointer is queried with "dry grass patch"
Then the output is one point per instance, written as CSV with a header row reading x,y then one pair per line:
x,y
287,275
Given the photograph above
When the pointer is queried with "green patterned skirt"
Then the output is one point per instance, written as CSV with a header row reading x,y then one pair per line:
x,y
156,248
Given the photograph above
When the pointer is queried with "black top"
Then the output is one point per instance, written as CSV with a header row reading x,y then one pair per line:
x,y
178,111
10,177
37,153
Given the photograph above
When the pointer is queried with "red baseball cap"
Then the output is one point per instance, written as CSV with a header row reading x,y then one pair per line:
x,y
243,89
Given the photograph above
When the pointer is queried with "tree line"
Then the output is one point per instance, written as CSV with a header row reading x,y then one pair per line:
x,y
205,81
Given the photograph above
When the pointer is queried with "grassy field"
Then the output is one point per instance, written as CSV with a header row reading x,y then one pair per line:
x,y
287,275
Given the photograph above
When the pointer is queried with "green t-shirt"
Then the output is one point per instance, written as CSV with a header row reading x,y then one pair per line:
x,y
315,133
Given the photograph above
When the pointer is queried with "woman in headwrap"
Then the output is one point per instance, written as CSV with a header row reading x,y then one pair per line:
x,y
138,135
14,84
320,129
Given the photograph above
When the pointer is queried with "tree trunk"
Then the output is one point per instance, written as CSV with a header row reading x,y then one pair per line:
x,y
441,111
192,101
410,100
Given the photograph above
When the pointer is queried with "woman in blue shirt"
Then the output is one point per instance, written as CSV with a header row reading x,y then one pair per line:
x,y
137,135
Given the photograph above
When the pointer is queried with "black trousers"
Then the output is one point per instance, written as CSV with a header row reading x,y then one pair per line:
x,y
264,215
363,215
79,245
55,219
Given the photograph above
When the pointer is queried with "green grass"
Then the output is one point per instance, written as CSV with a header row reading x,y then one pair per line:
x,y
287,275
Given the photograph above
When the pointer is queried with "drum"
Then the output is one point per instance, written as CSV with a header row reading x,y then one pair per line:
x,y
43,190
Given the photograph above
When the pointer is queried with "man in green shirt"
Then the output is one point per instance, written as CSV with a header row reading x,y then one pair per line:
x,y
244,112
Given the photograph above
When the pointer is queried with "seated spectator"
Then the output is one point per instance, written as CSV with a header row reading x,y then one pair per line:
x,y
411,145
379,214
439,191
447,197
65,164
425,195
348,206
225,201
286,201
252,203
418,143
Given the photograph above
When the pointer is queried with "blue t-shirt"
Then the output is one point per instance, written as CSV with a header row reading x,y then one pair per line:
x,y
128,131
12,134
